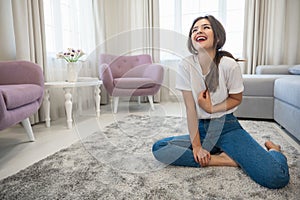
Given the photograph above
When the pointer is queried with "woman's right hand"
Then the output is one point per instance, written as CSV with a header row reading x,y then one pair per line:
x,y
201,156
204,101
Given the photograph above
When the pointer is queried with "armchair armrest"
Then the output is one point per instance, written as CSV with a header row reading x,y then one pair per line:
x,y
272,69
21,72
155,72
2,106
105,75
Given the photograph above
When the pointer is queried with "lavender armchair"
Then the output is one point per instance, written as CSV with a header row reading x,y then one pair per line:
x,y
130,76
21,93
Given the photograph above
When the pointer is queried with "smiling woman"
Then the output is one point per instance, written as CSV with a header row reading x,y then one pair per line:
x,y
215,136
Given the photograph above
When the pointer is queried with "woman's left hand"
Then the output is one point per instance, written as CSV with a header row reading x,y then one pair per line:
x,y
204,101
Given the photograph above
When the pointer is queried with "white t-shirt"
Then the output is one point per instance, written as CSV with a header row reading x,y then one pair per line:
x,y
190,78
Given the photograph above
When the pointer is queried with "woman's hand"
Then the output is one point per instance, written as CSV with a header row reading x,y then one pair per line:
x,y
201,156
204,101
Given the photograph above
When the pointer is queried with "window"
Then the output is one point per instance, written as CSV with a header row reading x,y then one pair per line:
x,y
178,15
69,24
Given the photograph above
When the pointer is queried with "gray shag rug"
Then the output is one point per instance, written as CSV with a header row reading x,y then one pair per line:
x,y
117,163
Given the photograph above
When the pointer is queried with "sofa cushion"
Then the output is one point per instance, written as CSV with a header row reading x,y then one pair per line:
x,y
14,95
260,85
288,90
295,70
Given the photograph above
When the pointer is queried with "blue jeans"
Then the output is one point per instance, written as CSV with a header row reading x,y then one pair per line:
x,y
267,168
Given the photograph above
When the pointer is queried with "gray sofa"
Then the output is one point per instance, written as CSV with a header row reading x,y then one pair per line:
x,y
273,93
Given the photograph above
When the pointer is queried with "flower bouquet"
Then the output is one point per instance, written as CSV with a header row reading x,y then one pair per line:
x,y
71,55
73,67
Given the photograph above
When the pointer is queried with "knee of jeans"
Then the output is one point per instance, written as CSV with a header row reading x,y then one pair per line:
x,y
277,180
155,150
157,145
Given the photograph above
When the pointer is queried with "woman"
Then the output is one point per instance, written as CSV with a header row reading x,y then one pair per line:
x,y
212,86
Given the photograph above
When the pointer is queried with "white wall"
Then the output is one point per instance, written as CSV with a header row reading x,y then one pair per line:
x,y
7,50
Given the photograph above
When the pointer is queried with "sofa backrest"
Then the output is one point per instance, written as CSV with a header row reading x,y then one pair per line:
x,y
273,69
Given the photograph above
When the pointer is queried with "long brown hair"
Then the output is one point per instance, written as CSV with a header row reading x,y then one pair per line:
x,y
212,78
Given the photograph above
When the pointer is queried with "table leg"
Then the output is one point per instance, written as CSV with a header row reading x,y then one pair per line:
x,y
68,106
97,99
79,97
47,107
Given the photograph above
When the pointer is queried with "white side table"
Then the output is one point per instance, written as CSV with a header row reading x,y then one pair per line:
x,y
67,87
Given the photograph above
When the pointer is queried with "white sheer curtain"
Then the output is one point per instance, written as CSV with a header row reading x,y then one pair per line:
x,y
271,33
68,24
29,35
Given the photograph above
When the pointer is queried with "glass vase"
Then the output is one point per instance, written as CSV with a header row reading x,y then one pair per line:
x,y
72,71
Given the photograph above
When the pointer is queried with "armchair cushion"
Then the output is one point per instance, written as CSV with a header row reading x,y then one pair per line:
x,y
133,83
14,95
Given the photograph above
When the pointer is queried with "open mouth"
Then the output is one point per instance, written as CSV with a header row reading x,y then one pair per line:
x,y
201,38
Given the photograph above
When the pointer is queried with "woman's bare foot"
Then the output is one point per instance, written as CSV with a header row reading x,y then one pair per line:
x,y
272,146
228,160
222,160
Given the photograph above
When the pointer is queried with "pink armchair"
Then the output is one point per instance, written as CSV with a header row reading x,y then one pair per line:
x,y
130,76
21,93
